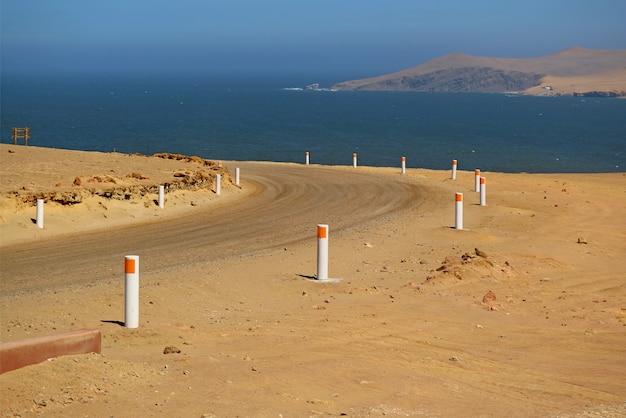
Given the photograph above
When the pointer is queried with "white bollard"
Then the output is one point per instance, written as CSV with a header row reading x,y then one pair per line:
x,y
483,191
458,221
39,215
218,184
477,180
131,301
237,176
322,252
161,197
403,165
354,160
453,169
306,158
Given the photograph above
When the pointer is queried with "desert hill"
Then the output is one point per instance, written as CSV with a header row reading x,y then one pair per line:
x,y
574,71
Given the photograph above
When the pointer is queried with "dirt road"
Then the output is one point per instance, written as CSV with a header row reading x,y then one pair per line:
x,y
283,208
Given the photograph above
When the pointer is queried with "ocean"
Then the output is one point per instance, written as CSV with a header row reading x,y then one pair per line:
x,y
267,121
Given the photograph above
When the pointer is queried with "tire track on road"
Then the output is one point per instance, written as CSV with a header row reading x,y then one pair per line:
x,y
288,201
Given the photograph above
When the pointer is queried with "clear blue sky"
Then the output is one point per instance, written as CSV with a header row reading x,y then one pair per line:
x,y
354,38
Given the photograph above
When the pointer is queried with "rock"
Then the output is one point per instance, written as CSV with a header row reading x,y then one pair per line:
x,y
438,77
101,179
581,241
170,349
597,94
489,297
77,182
69,198
467,258
480,253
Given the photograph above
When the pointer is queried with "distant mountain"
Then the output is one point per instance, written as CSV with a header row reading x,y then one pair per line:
x,y
574,71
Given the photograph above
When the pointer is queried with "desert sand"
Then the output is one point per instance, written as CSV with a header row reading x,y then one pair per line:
x,y
520,314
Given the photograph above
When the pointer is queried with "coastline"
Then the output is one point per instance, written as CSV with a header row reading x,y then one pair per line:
x,y
409,327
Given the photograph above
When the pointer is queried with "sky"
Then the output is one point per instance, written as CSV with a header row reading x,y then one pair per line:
x,y
326,37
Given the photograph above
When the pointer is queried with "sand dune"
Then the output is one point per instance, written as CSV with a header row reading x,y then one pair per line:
x,y
521,314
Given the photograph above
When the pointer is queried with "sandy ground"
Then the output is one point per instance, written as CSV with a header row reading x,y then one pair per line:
x,y
521,314
609,82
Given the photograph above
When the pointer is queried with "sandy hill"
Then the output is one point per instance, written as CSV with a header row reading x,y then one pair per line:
x,y
574,71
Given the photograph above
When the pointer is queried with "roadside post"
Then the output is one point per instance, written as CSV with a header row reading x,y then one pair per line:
x,y
131,300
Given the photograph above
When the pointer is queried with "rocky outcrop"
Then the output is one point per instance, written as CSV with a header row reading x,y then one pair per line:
x,y
185,158
600,94
465,79
62,197
133,186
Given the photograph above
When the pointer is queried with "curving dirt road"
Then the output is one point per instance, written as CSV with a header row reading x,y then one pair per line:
x,y
284,208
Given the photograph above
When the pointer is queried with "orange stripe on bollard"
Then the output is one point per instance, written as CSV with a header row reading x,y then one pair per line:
x,y
322,232
482,180
129,266
459,197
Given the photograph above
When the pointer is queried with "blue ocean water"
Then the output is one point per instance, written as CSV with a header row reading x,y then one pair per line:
x,y
255,120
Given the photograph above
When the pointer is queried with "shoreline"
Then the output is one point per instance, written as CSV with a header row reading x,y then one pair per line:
x,y
526,302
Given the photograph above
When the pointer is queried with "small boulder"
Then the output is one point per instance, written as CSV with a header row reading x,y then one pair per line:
x,y
489,297
170,349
